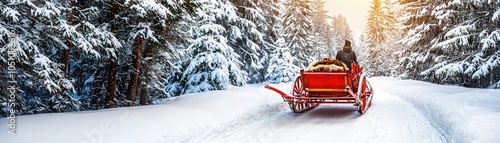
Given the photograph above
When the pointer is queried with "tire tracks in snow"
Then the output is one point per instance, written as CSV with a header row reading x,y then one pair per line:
x,y
389,119
395,120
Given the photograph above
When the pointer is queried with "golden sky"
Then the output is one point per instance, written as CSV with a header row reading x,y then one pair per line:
x,y
355,11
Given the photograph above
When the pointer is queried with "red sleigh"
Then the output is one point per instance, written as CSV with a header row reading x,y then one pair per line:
x,y
339,87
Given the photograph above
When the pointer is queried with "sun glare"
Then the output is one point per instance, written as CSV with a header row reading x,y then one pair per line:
x,y
355,11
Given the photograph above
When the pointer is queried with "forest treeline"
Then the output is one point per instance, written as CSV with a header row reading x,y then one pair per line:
x,y
60,56
454,42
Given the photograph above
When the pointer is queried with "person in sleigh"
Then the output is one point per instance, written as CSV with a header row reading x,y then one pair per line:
x,y
346,55
341,63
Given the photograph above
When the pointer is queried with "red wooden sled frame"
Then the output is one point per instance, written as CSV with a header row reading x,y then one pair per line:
x,y
312,88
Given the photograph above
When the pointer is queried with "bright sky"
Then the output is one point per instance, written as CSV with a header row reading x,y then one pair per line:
x,y
355,11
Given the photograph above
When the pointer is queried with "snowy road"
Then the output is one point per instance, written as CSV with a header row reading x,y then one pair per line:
x,y
390,119
402,111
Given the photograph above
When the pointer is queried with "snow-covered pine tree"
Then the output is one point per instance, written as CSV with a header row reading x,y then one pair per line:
x,y
320,37
12,55
381,34
214,64
246,37
463,49
281,67
376,25
4,101
148,30
143,16
297,27
394,32
43,33
470,49
93,38
320,48
175,84
271,10
390,22
361,50
107,30
340,32
105,85
420,28
158,55
187,30
98,44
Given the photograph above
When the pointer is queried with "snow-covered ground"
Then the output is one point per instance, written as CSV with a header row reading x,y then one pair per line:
x,y
402,111
461,114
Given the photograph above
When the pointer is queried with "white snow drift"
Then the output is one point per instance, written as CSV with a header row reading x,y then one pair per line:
x,y
402,111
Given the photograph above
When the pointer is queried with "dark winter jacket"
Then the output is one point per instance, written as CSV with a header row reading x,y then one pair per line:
x,y
347,56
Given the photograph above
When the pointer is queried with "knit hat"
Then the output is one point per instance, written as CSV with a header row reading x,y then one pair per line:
x,y
347,43
347,46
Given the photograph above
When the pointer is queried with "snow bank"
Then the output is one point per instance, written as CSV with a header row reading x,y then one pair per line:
x,y
146,124
461,114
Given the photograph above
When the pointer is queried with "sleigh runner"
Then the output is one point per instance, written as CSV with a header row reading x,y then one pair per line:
x,y
329,81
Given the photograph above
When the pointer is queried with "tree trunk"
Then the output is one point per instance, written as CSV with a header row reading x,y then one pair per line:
x,y
144,96
144,89
65,53
133,84
65,59
96,101
113,65
110,99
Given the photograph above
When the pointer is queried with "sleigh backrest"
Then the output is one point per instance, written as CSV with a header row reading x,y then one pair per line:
x,y
325,83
